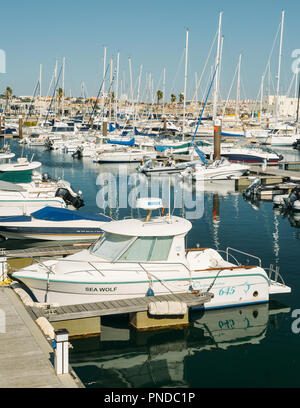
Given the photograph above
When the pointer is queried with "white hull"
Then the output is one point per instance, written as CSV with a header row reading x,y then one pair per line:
x,y
228,291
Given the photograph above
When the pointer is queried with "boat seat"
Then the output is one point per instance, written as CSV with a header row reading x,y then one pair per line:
x,y
205,259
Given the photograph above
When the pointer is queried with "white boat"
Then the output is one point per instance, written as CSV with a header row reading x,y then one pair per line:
x,y
149,167
51,223
137,258
37,193
126,155
219,170
250,155
19,171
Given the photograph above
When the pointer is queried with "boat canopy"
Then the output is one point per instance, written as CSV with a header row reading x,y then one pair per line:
x,y
158,226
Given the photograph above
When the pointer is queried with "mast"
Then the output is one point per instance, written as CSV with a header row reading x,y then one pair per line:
x,y
164,88
216,87
279,66
185,80
237,106
63,85
103,79
117,86
40,83
261,97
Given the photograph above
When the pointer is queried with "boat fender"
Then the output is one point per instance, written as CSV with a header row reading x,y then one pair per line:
x,y
167,308
46,327
26,299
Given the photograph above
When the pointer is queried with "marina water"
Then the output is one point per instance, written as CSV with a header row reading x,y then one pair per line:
x,y
249,346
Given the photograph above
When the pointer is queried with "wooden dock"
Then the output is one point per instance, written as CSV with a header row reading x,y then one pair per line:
x,y
275,172
116,307
25,354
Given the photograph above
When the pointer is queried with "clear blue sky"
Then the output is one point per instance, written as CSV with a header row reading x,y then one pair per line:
x,y
152,33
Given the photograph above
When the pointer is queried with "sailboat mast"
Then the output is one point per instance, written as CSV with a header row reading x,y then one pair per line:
x,y
185,80
279,66
237,106
216,87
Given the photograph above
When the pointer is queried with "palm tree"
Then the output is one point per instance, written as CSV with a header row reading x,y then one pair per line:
x,y
181,97
8,94
159,95
173,98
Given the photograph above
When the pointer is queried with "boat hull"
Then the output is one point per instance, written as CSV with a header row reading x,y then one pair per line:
x,y
230,288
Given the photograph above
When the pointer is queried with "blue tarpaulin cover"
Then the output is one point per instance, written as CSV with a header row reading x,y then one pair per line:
x,y
63,214
56,214
123,143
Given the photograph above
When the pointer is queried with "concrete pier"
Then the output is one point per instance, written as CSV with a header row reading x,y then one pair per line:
x,y
25,354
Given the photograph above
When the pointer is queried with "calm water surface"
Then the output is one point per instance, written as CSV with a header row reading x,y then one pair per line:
x,y
237,347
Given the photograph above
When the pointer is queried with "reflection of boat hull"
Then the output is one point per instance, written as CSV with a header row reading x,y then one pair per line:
x,y
131,352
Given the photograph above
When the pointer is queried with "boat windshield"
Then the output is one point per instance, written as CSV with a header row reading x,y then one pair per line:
x,y
121,248
110,246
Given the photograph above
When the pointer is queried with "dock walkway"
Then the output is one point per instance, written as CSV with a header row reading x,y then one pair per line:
x,y
115,307
25,354
292,175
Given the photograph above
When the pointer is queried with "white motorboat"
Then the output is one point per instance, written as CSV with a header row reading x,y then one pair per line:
x,y
149,167
137,258
124,156
19,171
42,190
250,155
51,223
219,170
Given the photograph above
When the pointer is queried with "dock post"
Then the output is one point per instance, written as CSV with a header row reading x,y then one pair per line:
x,y
217,139
104,127
3,268
61,359
20,127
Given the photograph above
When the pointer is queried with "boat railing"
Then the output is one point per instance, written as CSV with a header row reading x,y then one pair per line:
x,y
228,253
274,275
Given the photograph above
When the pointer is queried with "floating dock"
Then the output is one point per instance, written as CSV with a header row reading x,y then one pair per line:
x,y
85,319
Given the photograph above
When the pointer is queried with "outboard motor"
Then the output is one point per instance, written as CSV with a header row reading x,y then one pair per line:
x,y
252,188
46,177
292,197
75,200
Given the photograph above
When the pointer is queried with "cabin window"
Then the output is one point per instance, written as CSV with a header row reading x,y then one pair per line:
x,y
110,246
145,249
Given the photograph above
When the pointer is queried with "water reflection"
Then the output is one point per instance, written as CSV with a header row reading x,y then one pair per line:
x,y
123,357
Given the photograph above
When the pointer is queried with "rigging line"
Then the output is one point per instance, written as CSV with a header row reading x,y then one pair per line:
x,y
179,66
100,90
204,68
230,89
53,96
31,102
208,92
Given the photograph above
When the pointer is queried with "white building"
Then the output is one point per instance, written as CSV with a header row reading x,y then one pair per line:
x,y
286,106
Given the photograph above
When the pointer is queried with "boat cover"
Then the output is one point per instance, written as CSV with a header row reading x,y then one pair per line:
x,y
63,214
123,143
55,214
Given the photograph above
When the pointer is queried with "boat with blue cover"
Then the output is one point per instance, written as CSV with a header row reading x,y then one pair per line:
x,y
52,223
